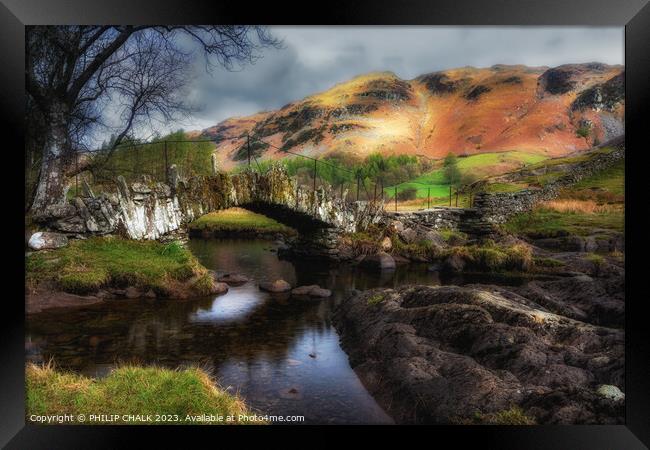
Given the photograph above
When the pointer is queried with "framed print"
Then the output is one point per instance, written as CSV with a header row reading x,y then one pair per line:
x,y
407,216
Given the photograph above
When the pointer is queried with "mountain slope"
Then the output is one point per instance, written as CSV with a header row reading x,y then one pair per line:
x,y
464,111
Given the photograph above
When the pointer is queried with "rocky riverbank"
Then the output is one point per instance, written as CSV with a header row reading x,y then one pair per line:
x,y
451,354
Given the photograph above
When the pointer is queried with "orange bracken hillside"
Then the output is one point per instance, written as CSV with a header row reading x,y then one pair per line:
x,y
465,111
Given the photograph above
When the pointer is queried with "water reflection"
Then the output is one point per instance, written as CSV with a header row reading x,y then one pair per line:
x,y
282,354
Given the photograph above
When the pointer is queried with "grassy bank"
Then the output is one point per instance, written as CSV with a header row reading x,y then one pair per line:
x,y
595,203
85,266
130,390
233,220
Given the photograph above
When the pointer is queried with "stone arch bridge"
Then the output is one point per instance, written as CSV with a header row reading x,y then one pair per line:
x,y
150,210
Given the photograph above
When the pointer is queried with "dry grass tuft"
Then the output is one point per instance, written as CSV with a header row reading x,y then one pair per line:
x,y
577,206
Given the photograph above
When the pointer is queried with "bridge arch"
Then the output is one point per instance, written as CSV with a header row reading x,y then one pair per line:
x,y
149,210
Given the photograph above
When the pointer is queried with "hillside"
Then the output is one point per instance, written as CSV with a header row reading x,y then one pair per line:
x,y
546,111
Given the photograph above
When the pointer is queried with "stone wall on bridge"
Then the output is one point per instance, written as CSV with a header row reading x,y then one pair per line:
x,y
149,210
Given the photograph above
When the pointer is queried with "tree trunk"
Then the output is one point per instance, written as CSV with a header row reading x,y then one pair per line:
x,y
51,189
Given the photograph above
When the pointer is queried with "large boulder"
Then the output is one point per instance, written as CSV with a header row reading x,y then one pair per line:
x,y
450,354
45,240
55,212
275,287
381,261
408,235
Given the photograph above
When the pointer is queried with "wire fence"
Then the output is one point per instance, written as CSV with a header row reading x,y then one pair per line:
x,y
192,157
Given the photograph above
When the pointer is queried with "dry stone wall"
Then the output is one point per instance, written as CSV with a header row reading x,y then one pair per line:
x,y
499,207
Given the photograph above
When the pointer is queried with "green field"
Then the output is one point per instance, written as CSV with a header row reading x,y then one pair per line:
x,y
237,220
610,180
433,183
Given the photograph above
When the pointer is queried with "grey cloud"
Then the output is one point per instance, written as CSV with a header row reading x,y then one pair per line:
x,y
316,58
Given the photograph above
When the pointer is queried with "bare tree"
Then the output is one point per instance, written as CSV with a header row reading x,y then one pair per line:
x,y
79,78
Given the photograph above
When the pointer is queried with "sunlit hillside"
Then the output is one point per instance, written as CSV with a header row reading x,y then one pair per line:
x,y
539,110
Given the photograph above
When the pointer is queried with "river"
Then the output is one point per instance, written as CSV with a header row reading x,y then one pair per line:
x,y
282,355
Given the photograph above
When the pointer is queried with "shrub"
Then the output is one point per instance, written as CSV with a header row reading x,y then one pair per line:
x,y
583,131
520,257
453,237
493,258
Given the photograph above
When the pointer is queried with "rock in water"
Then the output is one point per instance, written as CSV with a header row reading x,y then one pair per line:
x,y
276,286
132,292
381,261
303,290
312,290
44,240
219,288
233,279
320,292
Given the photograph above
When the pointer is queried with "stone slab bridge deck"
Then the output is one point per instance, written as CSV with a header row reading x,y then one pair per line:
x,y
150,210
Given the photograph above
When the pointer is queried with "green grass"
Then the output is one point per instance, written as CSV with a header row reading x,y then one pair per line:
x,y
490,257
611,180
511,416
543,222
548,262
505,187
570,159
130,390
481,165
87,265
238,219
375,299
452,237
605,187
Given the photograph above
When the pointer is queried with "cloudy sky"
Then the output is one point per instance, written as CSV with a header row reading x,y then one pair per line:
x,y
315,58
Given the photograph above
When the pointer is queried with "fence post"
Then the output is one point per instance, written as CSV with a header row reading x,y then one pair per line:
x,y
358,183
428,198
395,198
248,148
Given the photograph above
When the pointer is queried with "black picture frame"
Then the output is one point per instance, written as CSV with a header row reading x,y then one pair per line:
x,y
634,15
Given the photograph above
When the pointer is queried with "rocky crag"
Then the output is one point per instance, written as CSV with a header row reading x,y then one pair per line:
x,y
451,354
